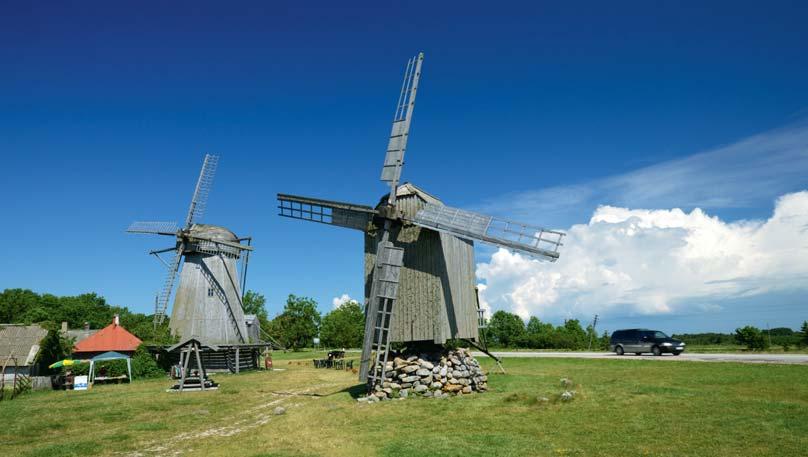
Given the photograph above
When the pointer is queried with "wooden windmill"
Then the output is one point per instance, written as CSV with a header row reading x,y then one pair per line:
x,y
419,253
208,304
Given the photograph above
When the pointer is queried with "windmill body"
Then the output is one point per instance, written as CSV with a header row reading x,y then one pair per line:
x,y
436,295
208,288
419,253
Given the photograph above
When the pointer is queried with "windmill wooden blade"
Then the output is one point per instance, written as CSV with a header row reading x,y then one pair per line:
x,y
534,241
155,228
394,159
168,285
200,199
326,211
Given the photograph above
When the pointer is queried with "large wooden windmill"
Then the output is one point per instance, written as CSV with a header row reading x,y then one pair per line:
x,y
208,304
419,253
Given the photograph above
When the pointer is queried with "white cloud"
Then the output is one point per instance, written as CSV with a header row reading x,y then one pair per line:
x,y
342,299
655,262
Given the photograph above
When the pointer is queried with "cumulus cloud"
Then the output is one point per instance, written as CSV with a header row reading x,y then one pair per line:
x,y
342,299
662,261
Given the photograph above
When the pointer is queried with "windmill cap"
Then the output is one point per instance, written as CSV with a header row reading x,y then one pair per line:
x,y
409,188
215,232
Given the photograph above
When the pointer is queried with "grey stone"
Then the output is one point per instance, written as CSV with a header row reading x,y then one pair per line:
x,y
426,364
410,379
466,390
409,369
423,372
426,380
406,385
279,410
419,388
394,386
428,393
435,385
457,374
404,393
443,371
411,358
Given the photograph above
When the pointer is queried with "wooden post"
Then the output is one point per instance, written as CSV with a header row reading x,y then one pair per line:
x,y
238,359
184,369
199,367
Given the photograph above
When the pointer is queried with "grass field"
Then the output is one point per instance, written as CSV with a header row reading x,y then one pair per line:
x,y
621,409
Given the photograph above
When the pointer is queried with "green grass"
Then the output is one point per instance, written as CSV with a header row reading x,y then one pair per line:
x,y
621,409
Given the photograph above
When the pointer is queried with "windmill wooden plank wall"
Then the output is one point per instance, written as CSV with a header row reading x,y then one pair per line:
x,y
436,298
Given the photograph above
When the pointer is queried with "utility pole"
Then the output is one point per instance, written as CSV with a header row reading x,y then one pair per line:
x,y
592,335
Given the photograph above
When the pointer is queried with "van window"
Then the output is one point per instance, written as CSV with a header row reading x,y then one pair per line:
x,y
660,335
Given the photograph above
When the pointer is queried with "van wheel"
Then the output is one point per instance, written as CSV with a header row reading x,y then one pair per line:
x,y
619,350
656,350
638,353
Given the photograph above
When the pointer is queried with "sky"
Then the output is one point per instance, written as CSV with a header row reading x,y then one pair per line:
x,y
670,142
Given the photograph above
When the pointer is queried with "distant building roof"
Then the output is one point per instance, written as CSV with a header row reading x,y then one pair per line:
x,y
20,341
113,337
80,334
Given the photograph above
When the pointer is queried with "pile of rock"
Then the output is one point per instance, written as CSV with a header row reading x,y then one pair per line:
x,y
437,375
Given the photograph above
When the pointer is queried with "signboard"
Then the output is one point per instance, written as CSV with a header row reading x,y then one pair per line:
x,y
80,383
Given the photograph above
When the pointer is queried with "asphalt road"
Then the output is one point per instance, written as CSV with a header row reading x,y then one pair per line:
x,y
685,357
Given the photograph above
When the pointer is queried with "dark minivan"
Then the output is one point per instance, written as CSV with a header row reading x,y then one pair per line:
x,y
639,340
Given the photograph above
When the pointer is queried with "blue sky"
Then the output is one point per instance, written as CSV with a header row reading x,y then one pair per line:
x,y
107,110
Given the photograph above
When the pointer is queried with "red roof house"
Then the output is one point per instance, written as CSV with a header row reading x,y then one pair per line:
x,y
113,337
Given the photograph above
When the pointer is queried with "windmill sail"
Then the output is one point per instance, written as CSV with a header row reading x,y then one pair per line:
x,y
535,241
200,199
161,305
156,228
329,212
394,159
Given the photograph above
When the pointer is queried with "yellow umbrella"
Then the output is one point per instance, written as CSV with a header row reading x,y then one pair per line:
x,y
65,363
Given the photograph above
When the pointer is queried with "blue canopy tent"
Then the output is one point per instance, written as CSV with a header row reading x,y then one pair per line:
x,y
111,355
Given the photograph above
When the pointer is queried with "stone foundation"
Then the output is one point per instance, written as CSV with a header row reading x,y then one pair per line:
x,y
436,375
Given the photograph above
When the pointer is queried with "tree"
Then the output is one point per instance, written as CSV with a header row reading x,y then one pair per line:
x,y
604,341
144,365
752,337
298,324
344,326
539,335
804,336
570,335
253,303
506,329
54,346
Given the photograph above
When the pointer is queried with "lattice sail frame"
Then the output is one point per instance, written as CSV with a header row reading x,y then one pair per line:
x,y
540,242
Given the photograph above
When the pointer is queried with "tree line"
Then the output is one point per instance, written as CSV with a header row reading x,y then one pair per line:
x,y
300,323
508,330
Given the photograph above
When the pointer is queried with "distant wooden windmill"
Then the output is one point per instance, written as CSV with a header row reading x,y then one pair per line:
x,y
419,253
208,303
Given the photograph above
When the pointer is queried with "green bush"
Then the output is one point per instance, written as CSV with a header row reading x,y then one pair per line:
x,y
751,337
